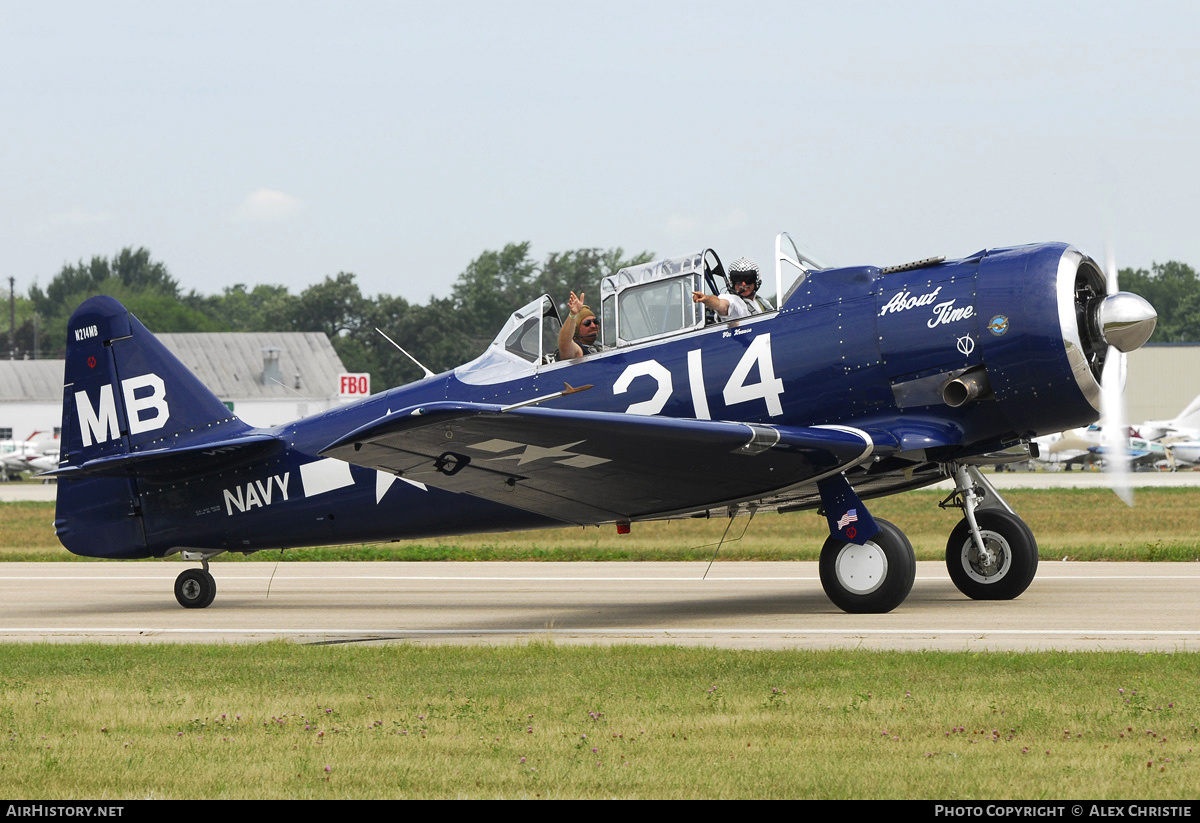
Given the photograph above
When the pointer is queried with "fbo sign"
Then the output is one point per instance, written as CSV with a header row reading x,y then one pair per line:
x,y
353,386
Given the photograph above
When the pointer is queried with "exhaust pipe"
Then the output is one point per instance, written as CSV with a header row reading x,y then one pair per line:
x,y
966,387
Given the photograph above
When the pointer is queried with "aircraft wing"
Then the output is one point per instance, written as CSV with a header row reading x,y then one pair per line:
x,y
588,467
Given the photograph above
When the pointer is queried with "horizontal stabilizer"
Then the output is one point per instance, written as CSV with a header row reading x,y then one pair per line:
x,y
178,462
595,467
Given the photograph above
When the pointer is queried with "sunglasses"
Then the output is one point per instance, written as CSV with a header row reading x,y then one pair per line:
x,y
591,321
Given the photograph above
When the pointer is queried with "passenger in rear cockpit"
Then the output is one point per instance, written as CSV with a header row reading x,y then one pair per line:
x,y
579,331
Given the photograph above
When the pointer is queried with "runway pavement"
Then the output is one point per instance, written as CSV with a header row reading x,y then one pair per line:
x,y
1078,606
27,491
751,605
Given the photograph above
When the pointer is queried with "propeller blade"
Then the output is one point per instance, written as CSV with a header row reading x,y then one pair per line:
x,y
1116,428
1110,269
1112,405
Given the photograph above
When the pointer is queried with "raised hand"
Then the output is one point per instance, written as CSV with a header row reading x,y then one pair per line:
x,y
574,304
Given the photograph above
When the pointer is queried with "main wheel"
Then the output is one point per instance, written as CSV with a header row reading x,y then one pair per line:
x,y
195,588
870,579
1004,569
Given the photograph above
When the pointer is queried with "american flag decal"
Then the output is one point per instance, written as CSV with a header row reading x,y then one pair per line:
x,y
848,518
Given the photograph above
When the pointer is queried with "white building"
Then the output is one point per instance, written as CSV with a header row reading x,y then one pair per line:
x,y
1162,378
30,398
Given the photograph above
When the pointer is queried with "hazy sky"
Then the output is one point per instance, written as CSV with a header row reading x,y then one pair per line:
x,y
279,142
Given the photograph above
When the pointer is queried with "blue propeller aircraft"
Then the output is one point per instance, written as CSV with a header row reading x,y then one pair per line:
x,y
863,382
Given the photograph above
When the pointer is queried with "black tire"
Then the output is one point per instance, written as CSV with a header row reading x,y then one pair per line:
x,y
870,579
1011,569
195,589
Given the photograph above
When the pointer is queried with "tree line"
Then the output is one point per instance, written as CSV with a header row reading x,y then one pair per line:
x,y
1174,290
442,333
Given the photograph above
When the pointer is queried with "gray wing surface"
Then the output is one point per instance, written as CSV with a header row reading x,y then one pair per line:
x,y
588,467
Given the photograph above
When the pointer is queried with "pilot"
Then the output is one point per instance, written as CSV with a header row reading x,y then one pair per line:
x,y
746,280
578,334
743,301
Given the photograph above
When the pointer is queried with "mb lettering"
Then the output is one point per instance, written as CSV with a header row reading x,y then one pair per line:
x,y
145,404
256,493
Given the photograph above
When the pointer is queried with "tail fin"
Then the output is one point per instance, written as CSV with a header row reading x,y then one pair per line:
x,y
132,414
1189,418
125,394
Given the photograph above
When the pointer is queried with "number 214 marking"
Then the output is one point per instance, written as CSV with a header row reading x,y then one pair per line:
x,y
737,390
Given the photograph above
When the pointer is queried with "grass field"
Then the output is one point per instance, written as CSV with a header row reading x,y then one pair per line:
x,y
540,721
280,720
1083,524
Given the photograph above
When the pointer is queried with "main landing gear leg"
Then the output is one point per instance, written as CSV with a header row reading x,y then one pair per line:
x,y
991,554
195,588
862,576
872,578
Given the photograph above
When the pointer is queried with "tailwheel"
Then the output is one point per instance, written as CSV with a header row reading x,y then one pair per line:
x,y
872,578
1003,568
195,588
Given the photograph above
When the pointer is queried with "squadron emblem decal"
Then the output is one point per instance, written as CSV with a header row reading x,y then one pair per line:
x,y
998,325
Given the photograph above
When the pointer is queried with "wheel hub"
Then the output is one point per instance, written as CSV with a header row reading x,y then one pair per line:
x,y
861,569
989,563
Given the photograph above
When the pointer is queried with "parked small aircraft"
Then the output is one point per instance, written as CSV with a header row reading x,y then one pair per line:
x,y
1164,444
30,454
864,382
1185,425
1131,446
1067,448
43,463
1168,453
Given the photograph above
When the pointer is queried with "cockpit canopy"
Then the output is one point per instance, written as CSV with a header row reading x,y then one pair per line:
x,y
531,332
639,303
527,340
652,300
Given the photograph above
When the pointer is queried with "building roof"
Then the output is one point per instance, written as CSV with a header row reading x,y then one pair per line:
x,y
31,380
232,365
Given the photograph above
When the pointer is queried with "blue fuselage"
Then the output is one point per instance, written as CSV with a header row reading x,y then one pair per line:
x,y
852,347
